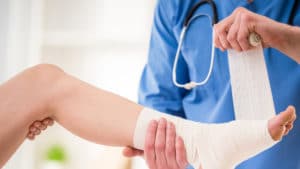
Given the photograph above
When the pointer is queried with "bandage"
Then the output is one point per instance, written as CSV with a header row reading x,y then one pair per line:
x,y
213,146
251,91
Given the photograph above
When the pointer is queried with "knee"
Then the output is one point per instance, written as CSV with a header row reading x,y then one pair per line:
x,y
43,82
45,70
47,79
44,74
31,91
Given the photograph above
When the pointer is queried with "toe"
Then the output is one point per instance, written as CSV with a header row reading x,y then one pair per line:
x,y
282,123
287,116
292,111
289,126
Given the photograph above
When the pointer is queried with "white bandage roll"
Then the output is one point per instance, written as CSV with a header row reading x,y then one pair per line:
x,y
251,91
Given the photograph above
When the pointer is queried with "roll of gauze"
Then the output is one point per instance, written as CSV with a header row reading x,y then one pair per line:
x,y
251,91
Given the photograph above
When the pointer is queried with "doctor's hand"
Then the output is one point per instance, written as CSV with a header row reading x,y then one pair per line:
x,y
233,33
163,149
38,126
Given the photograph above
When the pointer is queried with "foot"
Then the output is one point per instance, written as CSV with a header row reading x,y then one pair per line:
x,y
281,124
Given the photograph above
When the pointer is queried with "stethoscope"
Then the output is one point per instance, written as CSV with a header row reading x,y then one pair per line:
x,y
254,40
190,19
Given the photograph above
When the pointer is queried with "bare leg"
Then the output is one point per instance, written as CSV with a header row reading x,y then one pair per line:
x,y
91,113
95,114
45,91
22,100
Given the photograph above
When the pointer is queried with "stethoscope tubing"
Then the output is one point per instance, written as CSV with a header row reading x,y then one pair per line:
x,y
254,39
192,84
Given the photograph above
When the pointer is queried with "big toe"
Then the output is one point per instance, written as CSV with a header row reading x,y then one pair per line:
x,y
287,116
278,126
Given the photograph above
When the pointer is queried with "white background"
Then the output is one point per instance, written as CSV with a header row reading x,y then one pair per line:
x,y
103,42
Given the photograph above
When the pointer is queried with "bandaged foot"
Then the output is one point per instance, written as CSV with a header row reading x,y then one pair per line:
x,y
221,146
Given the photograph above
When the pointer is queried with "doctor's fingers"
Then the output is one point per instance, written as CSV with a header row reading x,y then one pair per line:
x,y
233,33
150,143
243,33
43,124
170,147
160,144
32,134
36,127
220,33
223,41
132,152
181,156
220,40
218,44
48,121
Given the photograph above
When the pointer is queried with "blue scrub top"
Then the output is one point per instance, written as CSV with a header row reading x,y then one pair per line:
x,y
212,103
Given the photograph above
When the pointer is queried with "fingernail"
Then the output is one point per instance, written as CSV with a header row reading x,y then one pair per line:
x,y
162,120
155,123
169,125
152,122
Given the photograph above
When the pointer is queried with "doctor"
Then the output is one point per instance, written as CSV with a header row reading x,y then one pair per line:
x,y
212,102
276,21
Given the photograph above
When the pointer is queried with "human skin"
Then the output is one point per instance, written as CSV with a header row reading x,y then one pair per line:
x,y
91,113
230,33
172,149
233,32
46,91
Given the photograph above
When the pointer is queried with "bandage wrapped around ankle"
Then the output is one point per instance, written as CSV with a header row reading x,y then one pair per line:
x,y
212,146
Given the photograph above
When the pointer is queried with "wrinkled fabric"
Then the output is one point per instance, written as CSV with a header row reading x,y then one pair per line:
x,y
212,103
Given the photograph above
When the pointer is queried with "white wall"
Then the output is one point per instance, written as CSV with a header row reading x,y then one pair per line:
x,y
21,39
18,50
4,11
103,42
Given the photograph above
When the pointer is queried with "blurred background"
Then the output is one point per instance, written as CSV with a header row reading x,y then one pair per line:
x,y
103,42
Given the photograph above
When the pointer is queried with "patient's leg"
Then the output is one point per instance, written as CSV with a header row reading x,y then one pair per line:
x,y
46,91
22,100
105,118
